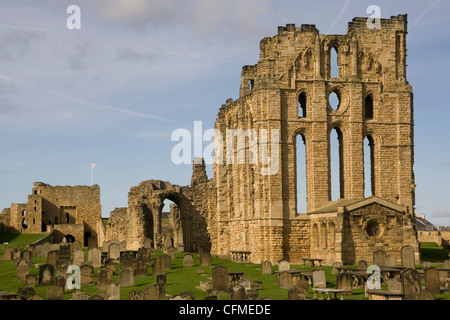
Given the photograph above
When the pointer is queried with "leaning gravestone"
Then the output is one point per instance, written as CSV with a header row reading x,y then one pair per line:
x,y
22,270
379,258
16,255
161,280
344,281
205,259
318,278
126,277
188,260
432,282
113,290
95,256
151,292
266,267
283,265
7,254
27,257
236,292
408,259
220,280
411,284
87,274
46,272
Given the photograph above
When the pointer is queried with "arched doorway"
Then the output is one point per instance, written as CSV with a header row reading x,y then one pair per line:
x,y
68,238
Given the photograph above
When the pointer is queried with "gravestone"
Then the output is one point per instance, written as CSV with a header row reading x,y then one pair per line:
x,y
188,260
283,265
136,295
114,251
126,277
31,280
46,248
344,281
22,270
27,257
16,255
299,290
167,261
95,256
251,294
411,284
7,253
55,293
161,280
99,296
145,254
432,282
335,269
52,257
113,290
220,280
408,257
92,243
236,292
64,251
87,274
111,267
158,266
140,268
187,295
103,277
394,285
205,259
266,267
362,265
379,258
127,260
391,260
80,295
46,272
26,293
426,264
284,280
78,257
60,281
151,292
76,246
171,251
318,278
38,250
148,243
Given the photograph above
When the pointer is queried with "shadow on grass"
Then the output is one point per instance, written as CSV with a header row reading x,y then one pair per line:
x,y
7,237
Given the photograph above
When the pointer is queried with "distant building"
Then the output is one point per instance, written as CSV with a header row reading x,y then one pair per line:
x,y
423,224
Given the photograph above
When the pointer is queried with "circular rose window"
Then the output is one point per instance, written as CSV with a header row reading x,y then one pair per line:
x,y
373,228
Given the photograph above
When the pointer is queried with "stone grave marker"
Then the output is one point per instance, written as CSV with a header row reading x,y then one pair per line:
x,y
299,290
60,281
92,243
167,261
283,265
46,248
158,266
111,267
55,292
26,293
408,257
126,277
38,250
266,267
188,260
362,265
95,256
205,259
113,290
46,272
391,260
394,285
432,282
236,292
22,270
284,280
411,284
7,253
52,257
379,258
318,278
127,260
64,251
31,280
103,277
78,257
161,280
16,255
151,292
344,281
27,257
76,246
114,251
335,269
220,281
251,294
140,268
171,251
136,295
187,295
145,254
87,274
80,295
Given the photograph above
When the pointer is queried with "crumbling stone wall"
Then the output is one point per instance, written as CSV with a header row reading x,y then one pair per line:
x,y
117,226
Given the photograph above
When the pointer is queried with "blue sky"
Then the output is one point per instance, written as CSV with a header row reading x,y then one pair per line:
x,y
114,91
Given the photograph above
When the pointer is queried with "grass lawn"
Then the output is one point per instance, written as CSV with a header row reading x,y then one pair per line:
x,y
179,278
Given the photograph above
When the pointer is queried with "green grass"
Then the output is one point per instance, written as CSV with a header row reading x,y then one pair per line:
x,y
431,251
179,278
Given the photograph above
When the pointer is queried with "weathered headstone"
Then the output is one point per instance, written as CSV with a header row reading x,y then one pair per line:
x,y
362,265
140,268
171,251
55,293
408,257
411,283
111,267
432,282
38,250
52,257
127,260
16,255
114,251
266,267
64,251
188,295
144,254
379,258
60,281
27,257
22,270
318,278
220,280
7,253
87,274
158,266
283,265
136,295
161,280
151,292
236,292
26,293
391,260
78,257
188,260
92,243
31,280
344,281
76,246
284,280
95,256
80,295
394,285
167,261
251,294
335,269
113,290
46,272
205,259
103,277
126,277
299,290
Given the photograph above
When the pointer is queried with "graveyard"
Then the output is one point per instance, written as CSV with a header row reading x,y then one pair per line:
x,y
147,274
